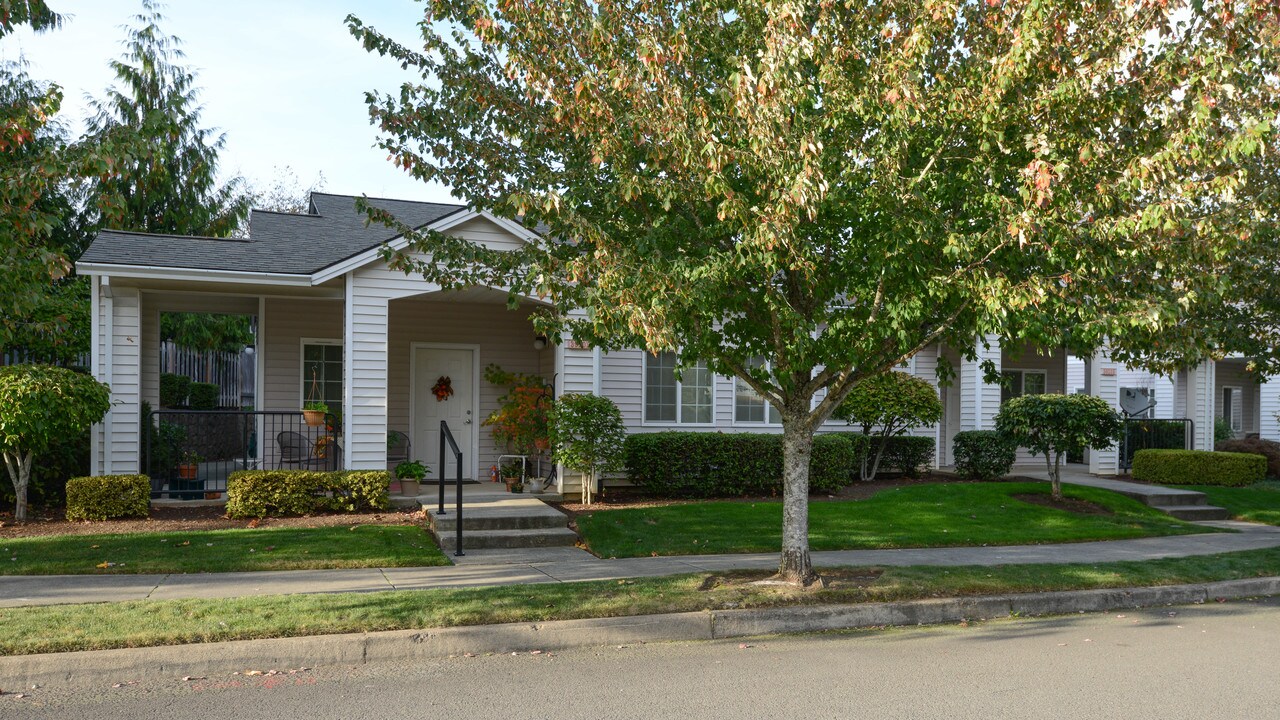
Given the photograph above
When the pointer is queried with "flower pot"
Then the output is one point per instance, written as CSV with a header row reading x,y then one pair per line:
x,y
314,418
213,496
535,485
409,488
188,471
511,483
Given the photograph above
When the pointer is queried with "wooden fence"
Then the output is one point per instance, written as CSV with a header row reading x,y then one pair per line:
x,y
232,372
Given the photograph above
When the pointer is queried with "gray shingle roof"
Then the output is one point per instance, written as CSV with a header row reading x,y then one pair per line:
x,y
278,242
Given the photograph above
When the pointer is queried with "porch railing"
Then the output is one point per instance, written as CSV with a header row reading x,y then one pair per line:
x,y
447,437
189,453
1151,434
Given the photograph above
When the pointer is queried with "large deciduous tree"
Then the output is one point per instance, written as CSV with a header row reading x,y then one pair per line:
x,y
834,186
41,228
170,183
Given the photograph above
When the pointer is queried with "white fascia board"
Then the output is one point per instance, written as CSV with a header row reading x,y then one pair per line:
x,y
198,274
400,242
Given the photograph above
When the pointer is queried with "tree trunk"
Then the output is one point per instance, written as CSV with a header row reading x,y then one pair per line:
x,y
20,475
1055,474
795,565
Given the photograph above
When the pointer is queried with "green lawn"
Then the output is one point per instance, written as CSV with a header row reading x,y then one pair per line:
x,y
928,515
1257,503
221,551
170,622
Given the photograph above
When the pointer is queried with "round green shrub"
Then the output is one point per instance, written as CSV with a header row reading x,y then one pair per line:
x,y
983,454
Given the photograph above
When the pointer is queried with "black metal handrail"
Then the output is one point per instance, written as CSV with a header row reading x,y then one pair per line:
x,y
446,436
1154,434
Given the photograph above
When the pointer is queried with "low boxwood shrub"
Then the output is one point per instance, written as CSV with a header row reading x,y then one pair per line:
x,y
711,464
983,454
908,454
107,497
204,396
1198,467
280,493
1268,449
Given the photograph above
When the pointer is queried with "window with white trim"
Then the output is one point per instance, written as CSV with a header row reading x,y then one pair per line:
x,y
322,373
1232,410
1016,383
748,405
686,401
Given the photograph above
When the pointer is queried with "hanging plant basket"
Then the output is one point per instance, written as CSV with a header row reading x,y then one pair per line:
x,y
314,418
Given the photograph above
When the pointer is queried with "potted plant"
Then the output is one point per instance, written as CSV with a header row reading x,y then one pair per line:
x,y
410,474
189,465
520,422
512,474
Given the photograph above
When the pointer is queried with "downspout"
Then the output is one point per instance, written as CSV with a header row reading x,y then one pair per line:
x,y
108,372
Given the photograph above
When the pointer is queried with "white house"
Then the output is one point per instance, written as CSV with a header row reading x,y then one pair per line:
x,y
336,324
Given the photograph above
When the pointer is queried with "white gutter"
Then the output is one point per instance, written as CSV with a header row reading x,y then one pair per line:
x,y
199,274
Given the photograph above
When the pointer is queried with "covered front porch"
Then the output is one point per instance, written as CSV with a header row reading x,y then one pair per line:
x,y
387,375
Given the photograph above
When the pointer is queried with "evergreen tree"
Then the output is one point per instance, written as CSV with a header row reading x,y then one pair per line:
x,y
170,185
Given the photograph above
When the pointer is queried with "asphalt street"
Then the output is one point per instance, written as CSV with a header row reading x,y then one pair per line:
x,y
1216,660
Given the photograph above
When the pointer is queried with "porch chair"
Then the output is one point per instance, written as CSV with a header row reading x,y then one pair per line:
x,y
397,447
297,451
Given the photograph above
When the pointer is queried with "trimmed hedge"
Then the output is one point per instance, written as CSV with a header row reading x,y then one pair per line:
x,y
204,396
908,454
983,454
1199,467
107,497
280,493
1269,449
707,464
174,389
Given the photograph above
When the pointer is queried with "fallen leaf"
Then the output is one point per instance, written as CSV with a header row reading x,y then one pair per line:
x,y
744,646
252,672
94,547
189,678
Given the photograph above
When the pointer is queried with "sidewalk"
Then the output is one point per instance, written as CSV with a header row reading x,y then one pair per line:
x,y
549,565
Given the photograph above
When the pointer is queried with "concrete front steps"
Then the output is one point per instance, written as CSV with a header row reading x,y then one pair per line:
x,y
493,518
1182,504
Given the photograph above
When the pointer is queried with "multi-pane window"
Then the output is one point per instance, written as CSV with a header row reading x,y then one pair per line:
x,y
748,406
1016,383
688,400
322,373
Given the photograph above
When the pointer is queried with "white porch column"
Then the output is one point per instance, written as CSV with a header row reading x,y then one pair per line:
x,y
1268,406
1200,407
121,368
1104,382
979,400
364,382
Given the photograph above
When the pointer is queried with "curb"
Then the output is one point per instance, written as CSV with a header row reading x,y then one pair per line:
x,y
207,659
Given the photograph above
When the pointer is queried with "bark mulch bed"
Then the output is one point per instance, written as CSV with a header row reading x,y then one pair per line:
x,y
168,518
1081,507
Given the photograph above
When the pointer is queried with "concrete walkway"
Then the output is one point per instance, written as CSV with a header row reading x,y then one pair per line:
x,y
548,565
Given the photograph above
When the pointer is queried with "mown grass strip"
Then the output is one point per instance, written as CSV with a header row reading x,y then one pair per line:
x,y
171,622
927,515
239,550
1257,503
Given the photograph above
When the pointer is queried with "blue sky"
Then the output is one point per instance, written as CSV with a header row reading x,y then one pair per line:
x,y
282,78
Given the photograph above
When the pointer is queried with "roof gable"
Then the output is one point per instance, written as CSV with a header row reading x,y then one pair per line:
x,y
282,243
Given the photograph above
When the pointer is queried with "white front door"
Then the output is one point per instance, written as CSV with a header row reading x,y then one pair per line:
x,y
455,368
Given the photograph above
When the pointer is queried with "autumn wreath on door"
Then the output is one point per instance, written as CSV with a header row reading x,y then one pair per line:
x,y
443,388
